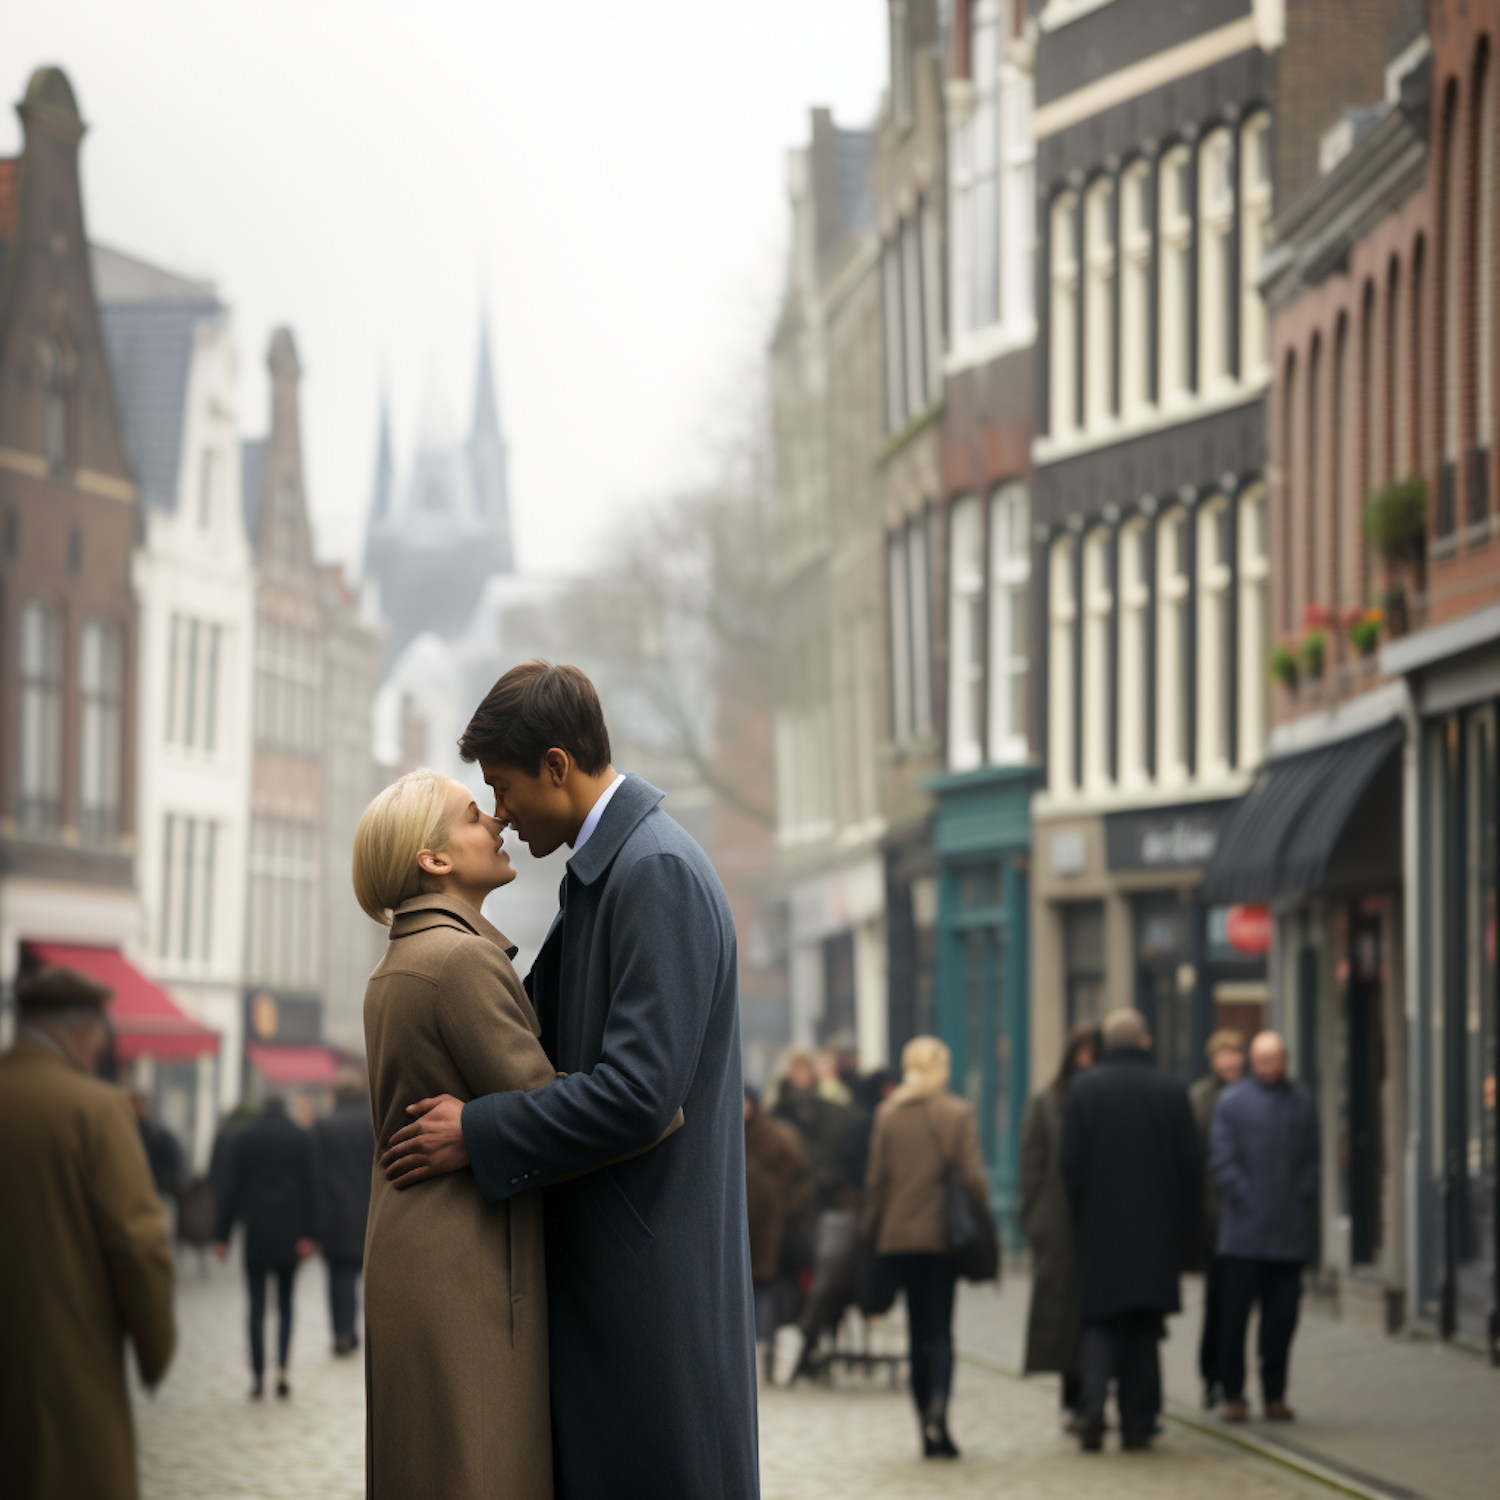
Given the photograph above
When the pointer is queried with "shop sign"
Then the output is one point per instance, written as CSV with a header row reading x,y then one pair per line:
x,y
1172,838
272,1017
1248,929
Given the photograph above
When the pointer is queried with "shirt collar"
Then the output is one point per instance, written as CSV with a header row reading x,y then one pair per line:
x,y
596,812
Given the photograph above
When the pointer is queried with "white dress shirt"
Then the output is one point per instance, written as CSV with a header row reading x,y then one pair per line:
x,y
596,812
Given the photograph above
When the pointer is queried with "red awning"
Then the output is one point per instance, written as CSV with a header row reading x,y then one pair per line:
x,y
147,1021
293,1065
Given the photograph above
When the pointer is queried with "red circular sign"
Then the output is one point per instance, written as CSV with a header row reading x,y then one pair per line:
x,y
1248,929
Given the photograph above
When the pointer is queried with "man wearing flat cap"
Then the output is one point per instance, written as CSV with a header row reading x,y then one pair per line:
x,y
84,1259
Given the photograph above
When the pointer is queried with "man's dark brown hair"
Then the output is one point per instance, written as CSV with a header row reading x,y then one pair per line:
x,y
534,708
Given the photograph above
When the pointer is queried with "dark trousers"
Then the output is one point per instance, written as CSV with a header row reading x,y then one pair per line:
x,y
256,1277
1213,1321
343,1281
1072,1392
1277,1286
928,1281
1123,1348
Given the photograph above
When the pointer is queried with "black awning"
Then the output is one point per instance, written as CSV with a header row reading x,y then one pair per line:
x,y
1287,833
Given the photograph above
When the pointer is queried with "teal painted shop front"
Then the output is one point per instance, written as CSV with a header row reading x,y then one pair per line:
x,y
982,843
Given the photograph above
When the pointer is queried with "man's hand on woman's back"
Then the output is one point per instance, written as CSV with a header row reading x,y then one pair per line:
x,y
431,1145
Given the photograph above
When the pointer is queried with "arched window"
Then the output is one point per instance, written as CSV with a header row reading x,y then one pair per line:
x,y
1099,306
1176,217
1174,628
1010,595
1098,637
1135,286
1255,625
1218,278
966,589
1135,678
1063,348
1216,662
1063,621
1255,220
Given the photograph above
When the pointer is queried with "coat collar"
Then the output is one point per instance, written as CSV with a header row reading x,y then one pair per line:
x,y
422,913
43,1049
1127,1055
627,807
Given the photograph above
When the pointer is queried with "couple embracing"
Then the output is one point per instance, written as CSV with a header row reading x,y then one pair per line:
x,y
557,1283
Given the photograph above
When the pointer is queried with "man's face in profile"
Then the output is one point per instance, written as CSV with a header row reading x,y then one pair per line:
x,y
535,805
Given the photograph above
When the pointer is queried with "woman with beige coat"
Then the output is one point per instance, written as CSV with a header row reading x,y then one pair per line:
x,y
455,1288
919,1131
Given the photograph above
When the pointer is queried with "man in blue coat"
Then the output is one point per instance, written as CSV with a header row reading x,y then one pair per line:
x,y
648,1271
1265,1156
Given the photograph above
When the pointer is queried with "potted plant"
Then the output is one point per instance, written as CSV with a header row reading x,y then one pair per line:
x,y
1396,526
1363,629
1312,650
1283,666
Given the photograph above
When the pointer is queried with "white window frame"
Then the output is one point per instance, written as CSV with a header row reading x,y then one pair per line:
x,y
932,296
1098,612
1215,620
1135,291
1255,222
1062,614
983,239
919,590
1017,202
39,758
1010,633
1135,601
1176,240
1255,625
893,325
1099,332
1172,592
913,305
966,604
101,714
1063,343
902,720
1215,250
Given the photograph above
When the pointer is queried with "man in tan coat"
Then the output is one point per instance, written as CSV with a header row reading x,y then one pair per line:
x,y
84,1259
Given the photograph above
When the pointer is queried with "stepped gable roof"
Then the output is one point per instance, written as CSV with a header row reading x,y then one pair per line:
x,y
149,318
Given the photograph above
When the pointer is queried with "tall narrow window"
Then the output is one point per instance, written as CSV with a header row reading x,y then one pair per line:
x,y
210,878
966,636
190,684
901,61
1173,626
913,304
1099,306
174,629
168,885
1255,625
921,627
1018,197
1063,347
1286,490
1010,596
207,470
189,886
932,297
1135,283
1134,674
211,687
1483,270
900,603
1416,370
101,694
1176,317
1216,664
1063,613
1372,428
55,413
1338,469
984,224
1255,221
1453,296
1098,620
1217,276
1312,475
895,348
40,757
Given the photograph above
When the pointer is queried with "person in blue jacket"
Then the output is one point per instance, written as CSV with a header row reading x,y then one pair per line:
x,y
1264,1154
651,1322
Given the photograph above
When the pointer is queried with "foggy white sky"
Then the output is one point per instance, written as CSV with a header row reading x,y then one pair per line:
x,y
610,174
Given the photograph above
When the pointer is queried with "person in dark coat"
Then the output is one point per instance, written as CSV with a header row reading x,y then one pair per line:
x,y
271,1186
778,1187
1226,1064
345,1141
1266,1157
648,1261
1054,1326
1134,1179
163,1152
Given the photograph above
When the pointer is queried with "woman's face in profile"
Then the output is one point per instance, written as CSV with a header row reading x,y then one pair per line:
x,y
476,844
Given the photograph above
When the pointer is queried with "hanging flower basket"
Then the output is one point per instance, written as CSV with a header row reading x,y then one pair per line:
x,y
1363,629
1283,666
1313,651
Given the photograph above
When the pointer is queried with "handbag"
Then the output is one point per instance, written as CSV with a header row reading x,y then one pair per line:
x,y
973,1245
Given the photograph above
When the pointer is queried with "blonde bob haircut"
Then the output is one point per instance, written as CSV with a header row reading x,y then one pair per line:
x,y
410,815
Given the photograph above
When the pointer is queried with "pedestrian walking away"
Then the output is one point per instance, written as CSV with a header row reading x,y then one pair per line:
x,y
1054,1324
345,1152
85,1260
1226,1064
1266,1158
920,1130
1134,1177
271,1188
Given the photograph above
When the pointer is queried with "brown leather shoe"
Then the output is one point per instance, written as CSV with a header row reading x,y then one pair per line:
x,y
1279,1411
1234,1411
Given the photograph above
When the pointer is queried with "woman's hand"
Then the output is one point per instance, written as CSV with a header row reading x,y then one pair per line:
x,y
431,1145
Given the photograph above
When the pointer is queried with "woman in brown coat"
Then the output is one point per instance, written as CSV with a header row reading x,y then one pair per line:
x,y
1054,1326
455,1288
918,1131
778,1187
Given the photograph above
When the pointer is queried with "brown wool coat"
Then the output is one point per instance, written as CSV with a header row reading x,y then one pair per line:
x,y
455,1288
904,1186
778,1187
84,1262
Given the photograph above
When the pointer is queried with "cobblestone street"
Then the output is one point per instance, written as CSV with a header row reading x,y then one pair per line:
x,y
202,1439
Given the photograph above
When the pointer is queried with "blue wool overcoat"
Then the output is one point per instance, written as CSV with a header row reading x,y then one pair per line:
x,y
648,1260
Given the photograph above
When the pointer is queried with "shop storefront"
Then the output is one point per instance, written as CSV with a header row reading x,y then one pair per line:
x,y
285,1053
982,844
